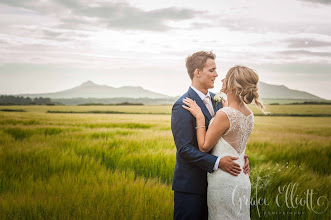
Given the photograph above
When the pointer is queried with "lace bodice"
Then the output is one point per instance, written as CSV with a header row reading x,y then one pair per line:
x,y
228,196
241,127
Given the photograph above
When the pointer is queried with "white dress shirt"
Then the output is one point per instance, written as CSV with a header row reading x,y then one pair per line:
x,y
203,96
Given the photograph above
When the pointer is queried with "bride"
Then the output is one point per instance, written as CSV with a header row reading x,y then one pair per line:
x,y
228,196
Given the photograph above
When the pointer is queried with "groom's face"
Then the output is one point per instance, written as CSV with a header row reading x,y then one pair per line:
x,y
208,74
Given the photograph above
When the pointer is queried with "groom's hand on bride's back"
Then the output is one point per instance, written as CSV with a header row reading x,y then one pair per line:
x,y
227,164
246,165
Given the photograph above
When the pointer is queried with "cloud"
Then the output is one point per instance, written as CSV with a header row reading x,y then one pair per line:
x,y
51,33
319,1
123,16
306,42
59,35
286,17
73,14
41,6
304,68
3,42
305,52
258,25
19,3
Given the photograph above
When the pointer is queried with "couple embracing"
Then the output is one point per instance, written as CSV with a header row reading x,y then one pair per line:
x,y
211,176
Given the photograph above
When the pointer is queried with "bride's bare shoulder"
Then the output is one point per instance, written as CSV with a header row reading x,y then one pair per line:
x,y
221,117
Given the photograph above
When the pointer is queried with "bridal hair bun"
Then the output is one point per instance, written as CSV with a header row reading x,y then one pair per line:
x,y
249,93
244,81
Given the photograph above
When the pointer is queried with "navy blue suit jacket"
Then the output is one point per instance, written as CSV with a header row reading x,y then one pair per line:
x,y
192,165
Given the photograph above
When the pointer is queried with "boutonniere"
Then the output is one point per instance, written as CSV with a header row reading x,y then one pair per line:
x,y
219,97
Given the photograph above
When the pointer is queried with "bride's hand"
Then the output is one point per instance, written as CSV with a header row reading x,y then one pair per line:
x,y
192,107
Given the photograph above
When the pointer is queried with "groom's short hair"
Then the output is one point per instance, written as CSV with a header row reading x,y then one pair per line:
x,y
198,61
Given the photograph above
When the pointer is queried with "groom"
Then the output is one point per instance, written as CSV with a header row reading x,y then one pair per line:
x,y
190,175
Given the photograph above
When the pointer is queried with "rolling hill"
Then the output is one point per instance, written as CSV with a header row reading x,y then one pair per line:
x,y
89,92
268,91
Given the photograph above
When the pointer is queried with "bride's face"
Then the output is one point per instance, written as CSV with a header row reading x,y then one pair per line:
x,y
223,85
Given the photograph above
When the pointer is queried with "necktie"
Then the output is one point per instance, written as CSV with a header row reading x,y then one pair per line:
x,y
206,100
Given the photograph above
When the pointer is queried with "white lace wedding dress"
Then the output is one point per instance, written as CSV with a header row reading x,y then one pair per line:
x,y
228,196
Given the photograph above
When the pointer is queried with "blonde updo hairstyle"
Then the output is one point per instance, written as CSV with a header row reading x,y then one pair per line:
x,y
244,81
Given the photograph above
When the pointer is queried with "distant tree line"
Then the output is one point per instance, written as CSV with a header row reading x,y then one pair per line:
x,y
114,101
327,102
122,103
311,103
20,100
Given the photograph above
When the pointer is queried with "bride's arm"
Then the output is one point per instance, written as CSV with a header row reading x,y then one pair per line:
x,y
207,140
215,131
201,131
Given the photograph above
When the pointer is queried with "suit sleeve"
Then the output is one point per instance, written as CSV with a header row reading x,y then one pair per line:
x,y
182,126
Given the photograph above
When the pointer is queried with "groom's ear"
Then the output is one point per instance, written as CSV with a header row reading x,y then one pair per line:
x,y
197,73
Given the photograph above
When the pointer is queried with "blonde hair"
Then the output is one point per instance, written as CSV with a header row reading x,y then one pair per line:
x,y
244,80
198,61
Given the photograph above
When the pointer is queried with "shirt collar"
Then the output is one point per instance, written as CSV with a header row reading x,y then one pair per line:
x,y
200,94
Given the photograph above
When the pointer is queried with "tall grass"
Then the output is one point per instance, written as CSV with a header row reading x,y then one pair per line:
x,y
166,109
104,166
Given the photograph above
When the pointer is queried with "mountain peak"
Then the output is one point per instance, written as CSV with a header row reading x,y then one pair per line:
x,y
89,89
89,83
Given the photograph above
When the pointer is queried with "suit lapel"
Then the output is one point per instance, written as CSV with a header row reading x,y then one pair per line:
x,y
215,106
193,95
213,102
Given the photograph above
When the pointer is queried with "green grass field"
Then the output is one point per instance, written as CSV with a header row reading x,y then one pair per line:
x,y
120,166
303,110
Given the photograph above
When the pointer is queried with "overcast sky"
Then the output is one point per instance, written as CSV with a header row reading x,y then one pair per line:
x,y
52,45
